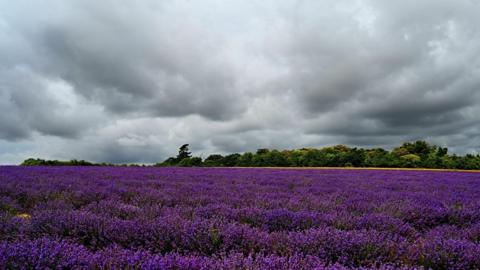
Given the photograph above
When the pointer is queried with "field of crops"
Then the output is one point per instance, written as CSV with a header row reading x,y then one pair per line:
x,y
235,218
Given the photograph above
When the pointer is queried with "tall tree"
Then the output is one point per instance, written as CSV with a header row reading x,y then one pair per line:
x,y
183,153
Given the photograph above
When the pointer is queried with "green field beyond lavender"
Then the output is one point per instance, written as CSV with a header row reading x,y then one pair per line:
x,y
234,218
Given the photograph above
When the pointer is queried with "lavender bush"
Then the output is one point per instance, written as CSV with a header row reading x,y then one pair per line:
x,y
233,218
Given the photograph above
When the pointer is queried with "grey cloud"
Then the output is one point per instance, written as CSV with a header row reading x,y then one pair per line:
x,y
130,81
11,130
147,63
32,104
334,60
115,153
409,75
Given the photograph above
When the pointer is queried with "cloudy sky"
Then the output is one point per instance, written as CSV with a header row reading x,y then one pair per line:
x,y
130,81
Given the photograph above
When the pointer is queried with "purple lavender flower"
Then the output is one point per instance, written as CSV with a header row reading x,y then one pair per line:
x,y
234,218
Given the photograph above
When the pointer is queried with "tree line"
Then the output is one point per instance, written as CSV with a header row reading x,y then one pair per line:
x,y
418,154
73,162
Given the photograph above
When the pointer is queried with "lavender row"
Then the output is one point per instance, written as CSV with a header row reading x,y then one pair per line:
x,y
347,218
51,254
46,253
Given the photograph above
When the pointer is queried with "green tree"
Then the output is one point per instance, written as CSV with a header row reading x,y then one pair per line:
x,y
190,162
33,162
246,160
231,160
171,161
410,160
214,160
183,152
276,158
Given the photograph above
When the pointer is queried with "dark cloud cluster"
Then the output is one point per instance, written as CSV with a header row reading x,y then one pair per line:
x,y
123,81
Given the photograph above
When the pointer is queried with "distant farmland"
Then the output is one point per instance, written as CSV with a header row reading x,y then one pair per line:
x,y
237,218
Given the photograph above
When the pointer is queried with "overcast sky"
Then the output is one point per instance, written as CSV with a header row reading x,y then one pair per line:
x,y
130,81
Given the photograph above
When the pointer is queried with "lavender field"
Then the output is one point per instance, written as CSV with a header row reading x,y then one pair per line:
x,y
235,218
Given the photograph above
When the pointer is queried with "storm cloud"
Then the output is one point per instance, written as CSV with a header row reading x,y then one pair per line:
x,y
123,81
